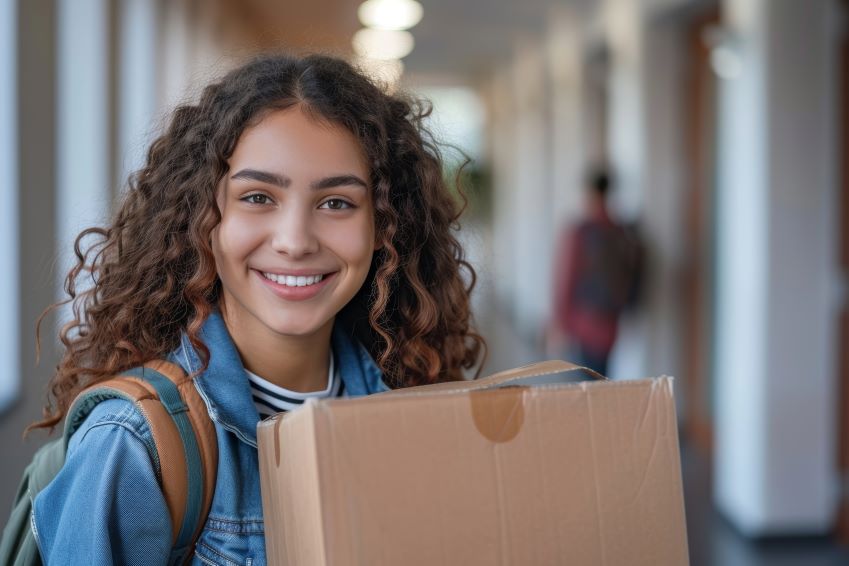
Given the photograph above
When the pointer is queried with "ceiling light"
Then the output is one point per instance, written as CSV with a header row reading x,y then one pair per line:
x,y
726,51
383,44
390,14
726,62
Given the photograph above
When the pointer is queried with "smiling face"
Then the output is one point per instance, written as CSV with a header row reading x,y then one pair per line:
x,y
297,236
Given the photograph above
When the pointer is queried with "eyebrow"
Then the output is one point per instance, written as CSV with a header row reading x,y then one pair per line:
x,y
284,182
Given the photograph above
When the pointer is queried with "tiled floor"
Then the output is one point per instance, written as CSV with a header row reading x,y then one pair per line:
x,y
712,540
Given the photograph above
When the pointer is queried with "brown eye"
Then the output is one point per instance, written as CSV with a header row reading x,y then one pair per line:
x,y
256,198
336,204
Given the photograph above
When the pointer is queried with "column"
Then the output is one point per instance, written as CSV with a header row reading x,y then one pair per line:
x,y
775,469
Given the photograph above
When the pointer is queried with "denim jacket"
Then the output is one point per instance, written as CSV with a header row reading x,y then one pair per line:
x,y
106,507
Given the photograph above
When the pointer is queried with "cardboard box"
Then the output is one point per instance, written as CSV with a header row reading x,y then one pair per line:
x,y
520,468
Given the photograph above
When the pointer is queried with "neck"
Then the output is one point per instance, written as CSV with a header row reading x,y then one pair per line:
x,y
597,207
297,363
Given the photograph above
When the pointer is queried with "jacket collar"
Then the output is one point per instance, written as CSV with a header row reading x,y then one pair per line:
x,y
225,388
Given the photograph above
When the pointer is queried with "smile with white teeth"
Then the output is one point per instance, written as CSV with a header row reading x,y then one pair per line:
x,y
293,281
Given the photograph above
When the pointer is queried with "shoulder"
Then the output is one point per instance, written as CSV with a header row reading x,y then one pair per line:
x,y
110,478
113,412
111,423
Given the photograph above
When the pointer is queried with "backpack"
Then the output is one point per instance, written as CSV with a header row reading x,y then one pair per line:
x,y
186,448
611,268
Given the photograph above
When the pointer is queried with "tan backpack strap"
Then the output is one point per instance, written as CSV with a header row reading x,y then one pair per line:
x,y
170,450
204,431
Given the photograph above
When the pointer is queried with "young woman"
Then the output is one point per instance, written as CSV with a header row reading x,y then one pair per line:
x,y
290,236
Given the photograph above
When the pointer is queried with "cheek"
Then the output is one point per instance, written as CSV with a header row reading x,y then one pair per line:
x,y
233,240
214,242
218,255
355,244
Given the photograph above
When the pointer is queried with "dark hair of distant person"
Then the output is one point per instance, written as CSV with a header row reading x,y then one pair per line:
x,y
599,181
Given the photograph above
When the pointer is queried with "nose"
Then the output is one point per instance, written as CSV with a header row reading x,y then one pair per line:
x,y
293,233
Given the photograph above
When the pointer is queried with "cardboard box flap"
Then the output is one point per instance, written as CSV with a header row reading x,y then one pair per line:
x,y
530,374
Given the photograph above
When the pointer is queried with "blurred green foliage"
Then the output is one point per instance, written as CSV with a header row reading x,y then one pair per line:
x,y
475,182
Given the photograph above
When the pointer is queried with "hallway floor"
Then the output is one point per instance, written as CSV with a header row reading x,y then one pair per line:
x,y
714,542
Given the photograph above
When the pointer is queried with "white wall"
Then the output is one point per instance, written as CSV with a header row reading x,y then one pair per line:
x,y
10,371
192,50
775,418
662,217
627,123
137,82
83,195
531,194
501,107
566,153
175,55
741,328
802,263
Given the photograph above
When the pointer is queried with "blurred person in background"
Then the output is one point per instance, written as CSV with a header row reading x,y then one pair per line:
x,y
597,273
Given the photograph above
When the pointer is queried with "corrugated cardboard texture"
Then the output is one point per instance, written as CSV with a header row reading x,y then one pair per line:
x,y
581,474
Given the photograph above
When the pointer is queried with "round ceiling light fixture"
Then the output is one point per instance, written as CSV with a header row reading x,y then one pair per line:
x,y
382,43
390,14
726,51
726,62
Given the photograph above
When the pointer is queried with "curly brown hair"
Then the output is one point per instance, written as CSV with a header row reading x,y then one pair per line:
x,y
152,272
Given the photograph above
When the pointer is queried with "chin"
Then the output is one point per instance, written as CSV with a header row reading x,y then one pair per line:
x,y
294,328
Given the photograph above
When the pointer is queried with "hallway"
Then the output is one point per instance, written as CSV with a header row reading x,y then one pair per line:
x,y
724,124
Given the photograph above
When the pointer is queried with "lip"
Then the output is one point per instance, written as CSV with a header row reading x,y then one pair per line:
x,y
296,293
295,272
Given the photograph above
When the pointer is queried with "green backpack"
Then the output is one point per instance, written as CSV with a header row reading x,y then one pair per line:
x,y
186,448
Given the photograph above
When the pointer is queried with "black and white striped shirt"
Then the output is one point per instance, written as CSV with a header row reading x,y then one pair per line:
x,y
271,399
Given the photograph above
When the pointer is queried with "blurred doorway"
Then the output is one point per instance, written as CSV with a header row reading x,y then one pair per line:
x,y
700,123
